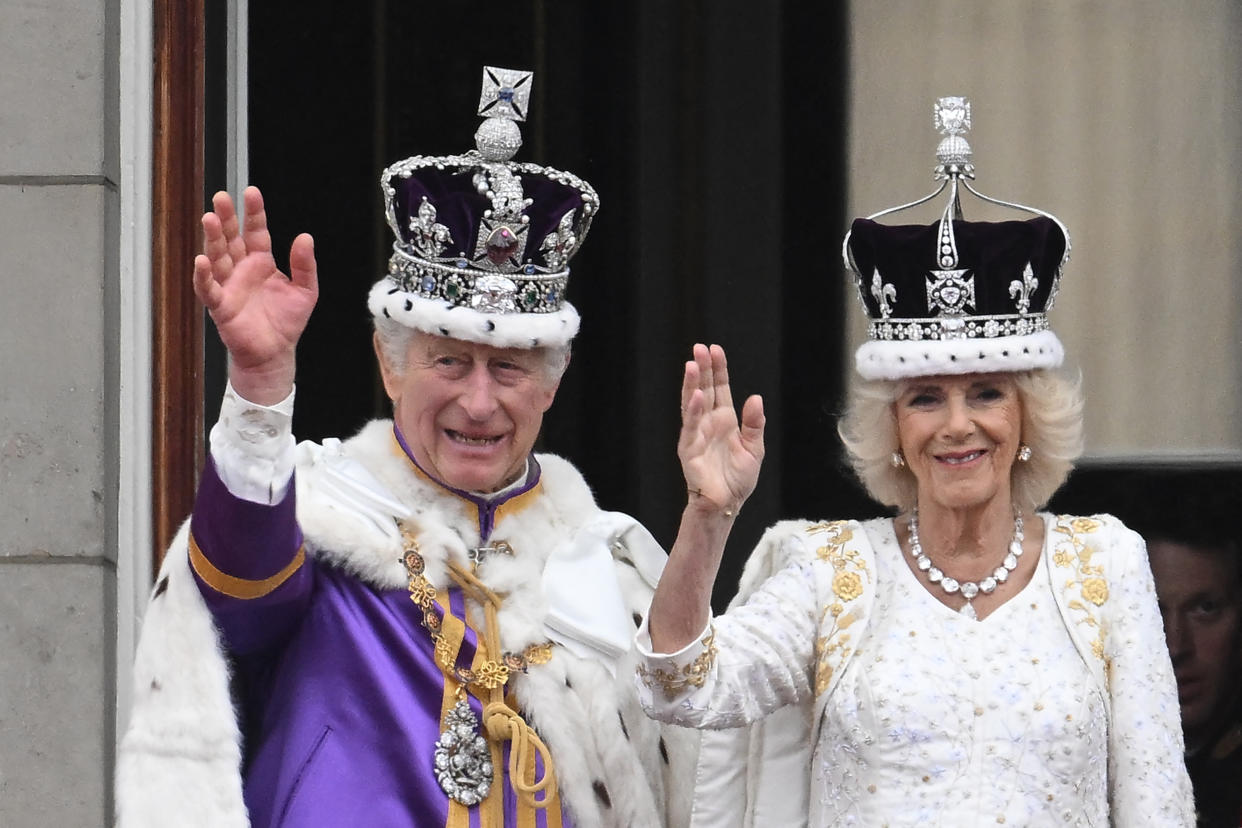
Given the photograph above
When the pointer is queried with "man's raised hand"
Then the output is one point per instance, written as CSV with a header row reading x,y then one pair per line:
x,y
259,312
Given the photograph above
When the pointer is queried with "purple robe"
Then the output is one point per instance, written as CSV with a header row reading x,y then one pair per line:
x,y
339,691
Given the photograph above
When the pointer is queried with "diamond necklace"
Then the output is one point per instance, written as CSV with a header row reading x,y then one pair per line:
x,y
968,589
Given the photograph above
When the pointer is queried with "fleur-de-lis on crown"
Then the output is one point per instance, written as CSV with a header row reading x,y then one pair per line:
x,y
1022,290
430,237
558,246
883,294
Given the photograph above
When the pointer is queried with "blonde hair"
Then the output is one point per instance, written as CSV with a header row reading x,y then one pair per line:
x,y
1051,427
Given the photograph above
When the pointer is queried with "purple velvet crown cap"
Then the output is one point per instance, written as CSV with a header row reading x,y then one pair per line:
x,y
984,312
460,208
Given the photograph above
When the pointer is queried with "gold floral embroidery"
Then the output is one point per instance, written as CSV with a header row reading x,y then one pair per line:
x,y
1084,525
833,648
1073,553
839,533
835,553
1095,590
847,586
675,682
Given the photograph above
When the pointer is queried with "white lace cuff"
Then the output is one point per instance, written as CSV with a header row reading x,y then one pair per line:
x,y
252,447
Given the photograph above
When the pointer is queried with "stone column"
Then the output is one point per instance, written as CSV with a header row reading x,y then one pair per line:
x,y
58,409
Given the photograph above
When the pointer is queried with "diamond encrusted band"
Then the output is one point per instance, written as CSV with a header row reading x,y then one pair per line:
x,y
460,284
956,327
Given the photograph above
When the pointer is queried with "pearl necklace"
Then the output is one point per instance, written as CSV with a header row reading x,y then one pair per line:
x,y
968,589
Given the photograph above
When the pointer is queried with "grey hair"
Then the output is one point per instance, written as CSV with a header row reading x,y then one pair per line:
x,y
395,338
1051,426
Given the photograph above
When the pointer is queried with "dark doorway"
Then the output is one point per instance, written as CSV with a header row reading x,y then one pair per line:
x,y
714,133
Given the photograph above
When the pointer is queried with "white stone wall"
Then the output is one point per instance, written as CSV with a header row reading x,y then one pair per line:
x,y
59,116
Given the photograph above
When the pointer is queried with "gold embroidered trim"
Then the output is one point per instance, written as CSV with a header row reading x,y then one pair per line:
x,y
489,674
833,648
1074,553
243,588
675,682
848,562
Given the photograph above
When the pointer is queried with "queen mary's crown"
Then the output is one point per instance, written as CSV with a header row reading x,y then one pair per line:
x,y
956,296
482,242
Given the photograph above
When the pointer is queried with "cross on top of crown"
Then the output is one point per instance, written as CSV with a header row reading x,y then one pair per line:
x,y
506,93
952,115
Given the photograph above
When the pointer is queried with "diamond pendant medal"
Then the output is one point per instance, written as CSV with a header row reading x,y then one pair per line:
x,y
463,761
969,611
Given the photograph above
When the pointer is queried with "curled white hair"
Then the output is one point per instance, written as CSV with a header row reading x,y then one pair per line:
x,y
1051,427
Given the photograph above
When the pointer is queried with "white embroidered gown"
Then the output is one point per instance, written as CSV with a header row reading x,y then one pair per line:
x,y
942,720
938,719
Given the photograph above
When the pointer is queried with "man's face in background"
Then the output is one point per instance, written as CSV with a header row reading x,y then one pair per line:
x,y
1198,592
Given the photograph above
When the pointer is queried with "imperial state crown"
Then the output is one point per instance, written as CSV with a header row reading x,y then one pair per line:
x,y
483,243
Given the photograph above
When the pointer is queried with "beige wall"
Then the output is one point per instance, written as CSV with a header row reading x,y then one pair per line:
x,y
1123,118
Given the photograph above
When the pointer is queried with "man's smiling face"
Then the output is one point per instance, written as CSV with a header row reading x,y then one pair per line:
x,y
469,412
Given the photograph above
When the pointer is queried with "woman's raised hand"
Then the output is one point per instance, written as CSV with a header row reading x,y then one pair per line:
x,y
720,458
259,312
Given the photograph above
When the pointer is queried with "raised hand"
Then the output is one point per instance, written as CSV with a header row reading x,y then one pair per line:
x,y
719,458
259,312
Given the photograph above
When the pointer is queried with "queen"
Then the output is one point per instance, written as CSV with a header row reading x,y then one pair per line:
x,y
971,661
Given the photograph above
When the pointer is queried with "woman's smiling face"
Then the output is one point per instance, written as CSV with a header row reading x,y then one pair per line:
x,y
960,436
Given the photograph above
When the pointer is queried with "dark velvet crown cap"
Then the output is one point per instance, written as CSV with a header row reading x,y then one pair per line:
x,y
995,254
971,303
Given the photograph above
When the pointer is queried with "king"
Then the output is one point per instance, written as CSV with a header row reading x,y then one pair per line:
x,y
428,623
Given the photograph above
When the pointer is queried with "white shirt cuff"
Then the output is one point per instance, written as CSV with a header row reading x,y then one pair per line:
x,y
252,447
